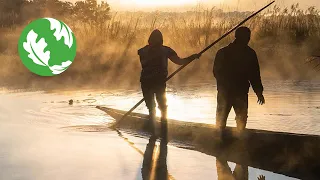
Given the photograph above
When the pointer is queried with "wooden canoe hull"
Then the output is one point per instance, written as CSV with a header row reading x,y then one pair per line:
x,y
294,155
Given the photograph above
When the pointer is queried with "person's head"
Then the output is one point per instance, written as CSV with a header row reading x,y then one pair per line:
x,y
156,38
243,35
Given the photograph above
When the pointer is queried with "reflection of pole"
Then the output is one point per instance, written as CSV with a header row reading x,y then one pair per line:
x,y
203,51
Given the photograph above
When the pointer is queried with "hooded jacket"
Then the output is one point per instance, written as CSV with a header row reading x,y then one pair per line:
x,y
154,59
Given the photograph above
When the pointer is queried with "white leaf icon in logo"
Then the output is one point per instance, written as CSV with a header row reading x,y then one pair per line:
x,y
62,30
36,49
38,56
57,69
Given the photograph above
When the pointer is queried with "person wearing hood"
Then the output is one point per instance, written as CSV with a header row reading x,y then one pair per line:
x,y
236,67
154,61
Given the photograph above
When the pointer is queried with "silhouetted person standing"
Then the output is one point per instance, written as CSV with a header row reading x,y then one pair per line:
x,y
154,61
236,66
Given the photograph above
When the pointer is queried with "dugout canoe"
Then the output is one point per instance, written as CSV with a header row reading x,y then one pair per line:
x,y
294,155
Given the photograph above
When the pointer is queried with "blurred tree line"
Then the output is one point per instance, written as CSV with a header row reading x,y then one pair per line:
x,y
15,12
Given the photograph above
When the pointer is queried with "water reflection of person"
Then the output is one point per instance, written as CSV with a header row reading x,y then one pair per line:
x,y
224,171
154,164
240,172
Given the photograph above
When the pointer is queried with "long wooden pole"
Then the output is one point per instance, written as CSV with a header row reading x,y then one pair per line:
x,y
203,51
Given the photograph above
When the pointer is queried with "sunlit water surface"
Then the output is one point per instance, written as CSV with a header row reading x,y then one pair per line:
x,y
291,107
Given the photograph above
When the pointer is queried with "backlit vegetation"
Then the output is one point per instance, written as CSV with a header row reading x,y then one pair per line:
x,y
108,41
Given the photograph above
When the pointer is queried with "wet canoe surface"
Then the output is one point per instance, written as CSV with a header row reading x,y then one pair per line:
x,y
294,155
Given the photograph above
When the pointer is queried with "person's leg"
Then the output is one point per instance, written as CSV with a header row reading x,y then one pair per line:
x,y
240,105
162,99
162,102
223,109
148,94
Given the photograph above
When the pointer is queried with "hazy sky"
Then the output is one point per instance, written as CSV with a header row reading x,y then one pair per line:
x,y
187,4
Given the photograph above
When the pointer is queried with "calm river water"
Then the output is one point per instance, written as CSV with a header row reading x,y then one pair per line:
x,y
35,143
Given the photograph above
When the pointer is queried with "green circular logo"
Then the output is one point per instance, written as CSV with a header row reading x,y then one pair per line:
x,y
47,47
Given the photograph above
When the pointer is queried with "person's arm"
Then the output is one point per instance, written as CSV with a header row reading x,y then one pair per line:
x,y
255,79
181,61
173,56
